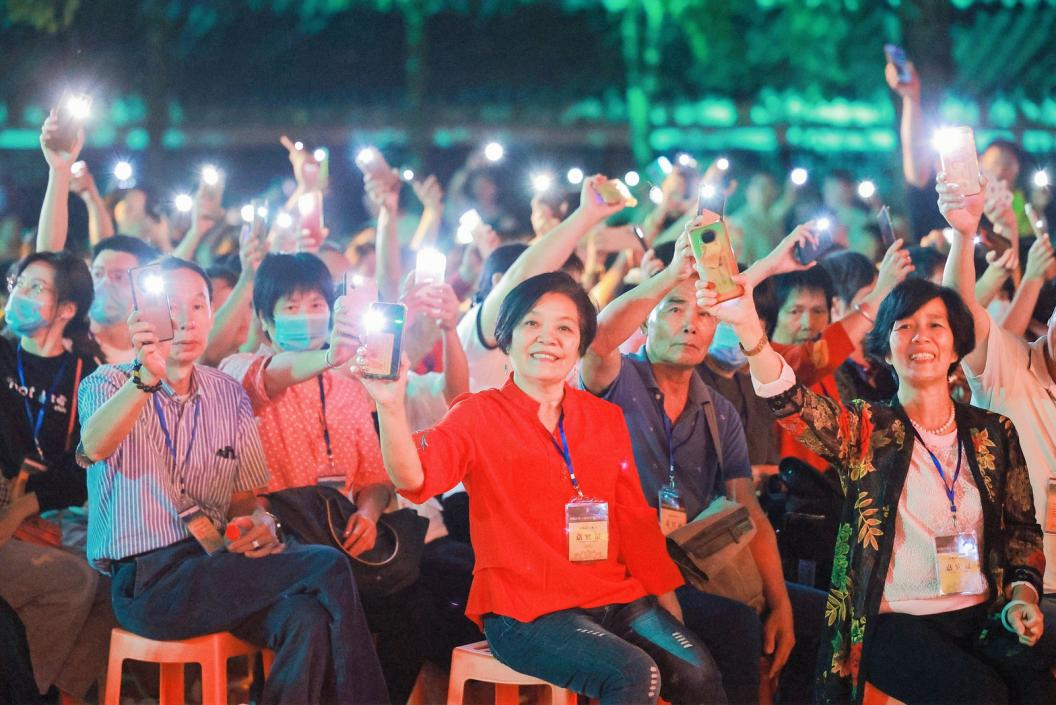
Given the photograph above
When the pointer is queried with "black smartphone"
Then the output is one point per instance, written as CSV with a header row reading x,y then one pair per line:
x,y
384,331
639,235
887,230
897,56
72,112
150,299
805,254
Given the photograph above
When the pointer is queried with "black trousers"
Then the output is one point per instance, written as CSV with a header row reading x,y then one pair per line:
x,y
962,657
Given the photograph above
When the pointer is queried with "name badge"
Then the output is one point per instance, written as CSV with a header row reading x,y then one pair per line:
x,y
202,529
672,510
587,526
957,564
1050,507
31,466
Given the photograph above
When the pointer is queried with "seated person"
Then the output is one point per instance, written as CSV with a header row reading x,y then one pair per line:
x,y
173,456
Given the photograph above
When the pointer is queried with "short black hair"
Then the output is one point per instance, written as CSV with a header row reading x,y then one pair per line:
x,y
783,285
221,271
905,300
925,260
665,252
500,259
139,249
520,301
849,271
282,275
170,264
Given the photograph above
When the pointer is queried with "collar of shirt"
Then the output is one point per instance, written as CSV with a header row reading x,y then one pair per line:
x,y
530,406
697,396
194,391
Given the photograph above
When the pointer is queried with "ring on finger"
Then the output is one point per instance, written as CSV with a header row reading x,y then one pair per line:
x,y
256,544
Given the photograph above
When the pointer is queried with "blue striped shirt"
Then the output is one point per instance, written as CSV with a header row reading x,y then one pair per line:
x,y
134,495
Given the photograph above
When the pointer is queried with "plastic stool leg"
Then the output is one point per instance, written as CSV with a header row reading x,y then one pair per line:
x,y
170,687
506,694
113,679
456,687
214,682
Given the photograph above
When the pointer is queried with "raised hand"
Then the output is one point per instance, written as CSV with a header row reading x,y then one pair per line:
x,y
961,212
909,90
145,345
59,160
894,269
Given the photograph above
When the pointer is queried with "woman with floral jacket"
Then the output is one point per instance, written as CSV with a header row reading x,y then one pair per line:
x,y
938,563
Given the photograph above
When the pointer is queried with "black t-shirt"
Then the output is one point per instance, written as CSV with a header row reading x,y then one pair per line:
x,y
922,208
63,485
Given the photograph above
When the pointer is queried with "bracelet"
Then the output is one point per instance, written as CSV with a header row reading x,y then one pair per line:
x,y
1004,613
137,380
755,349
861,309
326,359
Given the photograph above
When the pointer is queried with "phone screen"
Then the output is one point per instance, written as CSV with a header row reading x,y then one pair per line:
x,y
150,299
384,324
360,293
897,56
808,253
960,160
887,230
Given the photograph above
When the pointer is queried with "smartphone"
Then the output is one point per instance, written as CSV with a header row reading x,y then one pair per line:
x,y
960,159
360,292
714,253
384,330
639,235
372,163
310,206
72,112
887,229
897,56
430,267
805,254
260,217
614,191
1038,223
150,299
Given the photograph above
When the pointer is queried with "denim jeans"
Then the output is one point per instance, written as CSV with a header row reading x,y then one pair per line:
x,y
301,603
621,654
1047,643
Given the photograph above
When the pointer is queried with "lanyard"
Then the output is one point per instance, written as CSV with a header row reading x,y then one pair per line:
x,y
168,440
669,431
36,425
326,426
950,487
565,454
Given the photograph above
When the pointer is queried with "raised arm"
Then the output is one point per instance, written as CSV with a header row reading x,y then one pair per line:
x,y
894,269
627,313
963,214
548,253
387,243
431,194
916,155
55,210
100,222
398,449
223,338
1039,261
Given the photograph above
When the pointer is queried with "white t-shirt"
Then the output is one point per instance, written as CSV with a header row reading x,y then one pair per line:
x,y
487,366
1015,383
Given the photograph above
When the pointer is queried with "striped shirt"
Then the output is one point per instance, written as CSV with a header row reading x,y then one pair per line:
x,y
134,496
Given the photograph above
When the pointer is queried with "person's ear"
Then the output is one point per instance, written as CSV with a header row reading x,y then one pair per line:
x,y
495,279
66,311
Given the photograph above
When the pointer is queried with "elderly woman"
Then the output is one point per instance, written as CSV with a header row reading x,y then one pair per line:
x,y
572,582
938,563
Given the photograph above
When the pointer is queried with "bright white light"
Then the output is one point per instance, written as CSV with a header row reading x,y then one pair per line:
x,y
79,106
945,139
430,266
542,182
305,204
470,219
78,169
494,151
284,220
798,176
320,155
366,155
247,213
374,320
665,164
357,280
407,174
464,236
823,224
183,202
298,145
153,283
866,189
123,171
1041,178
708,191
656,195
631,178
1039,224
722,163
575,176
686,160
210,175
262,212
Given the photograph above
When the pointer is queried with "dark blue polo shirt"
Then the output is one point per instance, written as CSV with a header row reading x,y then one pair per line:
x,y
696,467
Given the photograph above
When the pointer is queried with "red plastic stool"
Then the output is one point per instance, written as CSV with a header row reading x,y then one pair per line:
x,y
874,696
211,652
474,662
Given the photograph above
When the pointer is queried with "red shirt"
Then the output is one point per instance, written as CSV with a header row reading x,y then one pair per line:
x,y
518,487
814,364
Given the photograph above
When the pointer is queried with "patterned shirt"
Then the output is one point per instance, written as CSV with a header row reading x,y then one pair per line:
x,y
134,495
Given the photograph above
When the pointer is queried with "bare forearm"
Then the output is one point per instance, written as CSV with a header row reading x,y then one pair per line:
x,y
456,367
223,339
987,287
1019,314
100,224
959,275
110,425
915,165
289,368
398,450
768,560
427,230
765,366
372,500
388,246
54,213
621,318
188,244
609,283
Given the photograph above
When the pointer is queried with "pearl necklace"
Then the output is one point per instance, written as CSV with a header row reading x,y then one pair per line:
x,y
944,428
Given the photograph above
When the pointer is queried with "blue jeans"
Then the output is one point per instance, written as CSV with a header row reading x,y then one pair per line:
x,y
621,654
301,603
1047,643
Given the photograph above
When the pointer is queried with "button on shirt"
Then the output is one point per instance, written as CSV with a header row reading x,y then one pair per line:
x,y
696,468
134,494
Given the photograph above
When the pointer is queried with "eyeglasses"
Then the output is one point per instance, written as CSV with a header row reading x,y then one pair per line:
x,y
33,287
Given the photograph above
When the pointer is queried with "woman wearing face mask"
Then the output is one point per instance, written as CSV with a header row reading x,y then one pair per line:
x,y
53,591
572,583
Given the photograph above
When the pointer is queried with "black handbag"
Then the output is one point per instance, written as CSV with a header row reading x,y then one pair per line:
x,y
318,515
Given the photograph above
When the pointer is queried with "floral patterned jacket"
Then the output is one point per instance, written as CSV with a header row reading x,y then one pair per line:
x,y
870,447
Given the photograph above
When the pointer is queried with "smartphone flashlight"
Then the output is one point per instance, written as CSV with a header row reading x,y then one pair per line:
x,y
665,165
541,182
866,189
320,155
469,222
247,213
123,171
366,155
210,175
798,176
823,224
656,195
708,191
79,107
407,175
686,161
183,202
494,151
374,321
722,164
298,145
283,220
306,203
78,169
575,176
154,284
632,178
1041,178
430,266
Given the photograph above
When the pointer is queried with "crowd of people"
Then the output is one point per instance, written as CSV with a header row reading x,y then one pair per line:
x,y
555,407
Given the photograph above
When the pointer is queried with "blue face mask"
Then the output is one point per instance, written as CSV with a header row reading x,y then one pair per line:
x,y
23,315
726,348
301,331
111,303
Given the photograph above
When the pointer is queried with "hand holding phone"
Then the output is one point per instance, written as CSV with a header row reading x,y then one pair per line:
x,y
150,299
896,56
383,325
70,116
372,163
714,254
960,160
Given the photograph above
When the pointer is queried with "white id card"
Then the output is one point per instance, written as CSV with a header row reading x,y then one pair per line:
x,y
1050,507
202,529
672,510
587,525
957,564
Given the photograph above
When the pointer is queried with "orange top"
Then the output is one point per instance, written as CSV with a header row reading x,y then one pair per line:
x,y
518,487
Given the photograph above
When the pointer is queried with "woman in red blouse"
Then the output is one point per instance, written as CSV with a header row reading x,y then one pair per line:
x,y
572,581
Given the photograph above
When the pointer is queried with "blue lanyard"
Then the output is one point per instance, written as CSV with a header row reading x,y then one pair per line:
x,y
951,488
172,448
565,454
35,426
669,431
